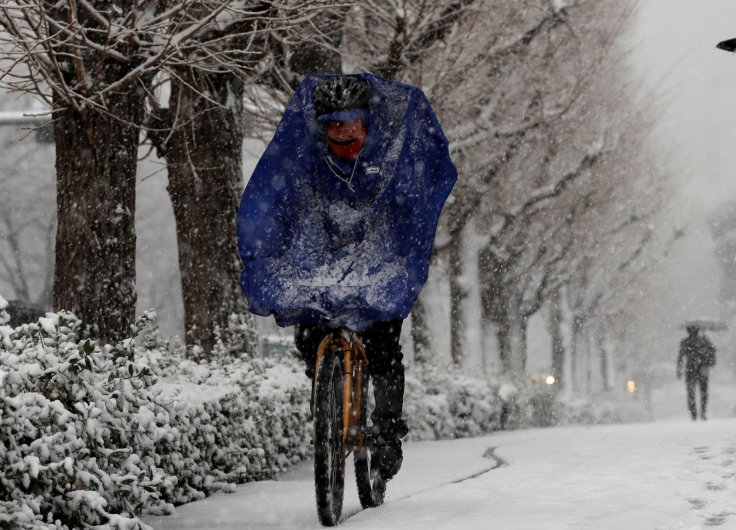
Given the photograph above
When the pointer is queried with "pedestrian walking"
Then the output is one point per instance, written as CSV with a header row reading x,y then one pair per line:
x,y
698,355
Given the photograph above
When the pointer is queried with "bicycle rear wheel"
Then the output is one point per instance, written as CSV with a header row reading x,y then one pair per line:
x,y
371,487
329,449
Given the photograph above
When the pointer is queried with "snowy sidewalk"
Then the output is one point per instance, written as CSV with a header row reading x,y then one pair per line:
x,y
289,502
664,475
645,476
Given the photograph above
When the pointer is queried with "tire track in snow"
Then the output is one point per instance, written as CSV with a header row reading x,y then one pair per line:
x,y
491,454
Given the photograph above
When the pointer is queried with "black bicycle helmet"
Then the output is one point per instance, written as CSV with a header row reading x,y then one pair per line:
x,y
340,93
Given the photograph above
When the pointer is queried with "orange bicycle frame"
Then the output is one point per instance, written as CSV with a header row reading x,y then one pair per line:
x,y
353,359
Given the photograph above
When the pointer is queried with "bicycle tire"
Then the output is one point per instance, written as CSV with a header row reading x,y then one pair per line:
x,y
329,450
371,487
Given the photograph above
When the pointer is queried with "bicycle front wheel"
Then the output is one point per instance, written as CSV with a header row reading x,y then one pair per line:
x,y
371,487
329,447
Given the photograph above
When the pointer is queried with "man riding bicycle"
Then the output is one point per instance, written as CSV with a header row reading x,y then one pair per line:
x,y
337,222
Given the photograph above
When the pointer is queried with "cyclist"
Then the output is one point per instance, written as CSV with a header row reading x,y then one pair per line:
x,y
337,222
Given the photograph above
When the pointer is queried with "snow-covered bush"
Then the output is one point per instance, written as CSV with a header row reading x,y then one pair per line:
x,y
96,436
445,403
239,336
448,403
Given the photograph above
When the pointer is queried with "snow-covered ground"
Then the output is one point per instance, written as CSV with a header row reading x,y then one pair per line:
x,y
668,400
671,473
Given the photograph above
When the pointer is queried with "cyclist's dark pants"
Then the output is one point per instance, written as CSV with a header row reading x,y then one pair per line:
x,y
385,365
699,378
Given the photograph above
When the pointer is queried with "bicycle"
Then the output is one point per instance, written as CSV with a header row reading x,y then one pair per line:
x,y
340,399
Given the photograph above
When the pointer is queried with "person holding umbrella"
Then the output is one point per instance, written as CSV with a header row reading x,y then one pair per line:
x,y
700,356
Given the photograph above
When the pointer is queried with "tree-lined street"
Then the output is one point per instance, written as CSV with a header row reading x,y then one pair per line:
x,y
593,216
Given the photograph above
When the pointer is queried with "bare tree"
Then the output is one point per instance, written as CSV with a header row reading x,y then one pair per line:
x,y
201,140
557,139
504,99
554,326
93,62
526,262
619,244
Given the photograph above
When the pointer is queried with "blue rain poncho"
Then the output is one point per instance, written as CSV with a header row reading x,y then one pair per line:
x,y
330,241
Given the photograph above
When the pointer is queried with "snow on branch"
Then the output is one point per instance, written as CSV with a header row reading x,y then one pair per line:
x,y
85,51
554,190
10,117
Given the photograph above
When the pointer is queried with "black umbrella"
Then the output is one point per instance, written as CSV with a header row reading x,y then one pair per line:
x,y
728,45
705,324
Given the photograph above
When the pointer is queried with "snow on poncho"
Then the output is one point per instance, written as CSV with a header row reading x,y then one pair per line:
x,y
330,241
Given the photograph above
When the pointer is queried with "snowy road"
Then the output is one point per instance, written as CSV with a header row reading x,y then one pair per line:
x,y
661,475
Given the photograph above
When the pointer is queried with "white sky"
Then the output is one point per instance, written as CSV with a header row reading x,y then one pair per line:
x,y
673,49
671,474
673,54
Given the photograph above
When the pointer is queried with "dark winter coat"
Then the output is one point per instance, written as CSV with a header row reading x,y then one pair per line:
x,y
700,354
324,240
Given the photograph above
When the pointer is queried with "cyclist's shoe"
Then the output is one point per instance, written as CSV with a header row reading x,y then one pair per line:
x,y
386,451
387,457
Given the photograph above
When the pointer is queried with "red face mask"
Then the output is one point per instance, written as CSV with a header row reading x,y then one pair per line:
x,y
345,138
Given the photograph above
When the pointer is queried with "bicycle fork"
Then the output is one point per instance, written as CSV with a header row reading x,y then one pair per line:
x,y
354,363
354,368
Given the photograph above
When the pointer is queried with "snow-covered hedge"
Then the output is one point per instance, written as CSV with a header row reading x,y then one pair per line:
x,y
90,436
448,403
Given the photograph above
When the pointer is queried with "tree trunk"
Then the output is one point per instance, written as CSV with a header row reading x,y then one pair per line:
x,y
458,294
512,337
96,157
558,344
504,345
203,154
589,348
518,342
577,325
604,364
420,333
